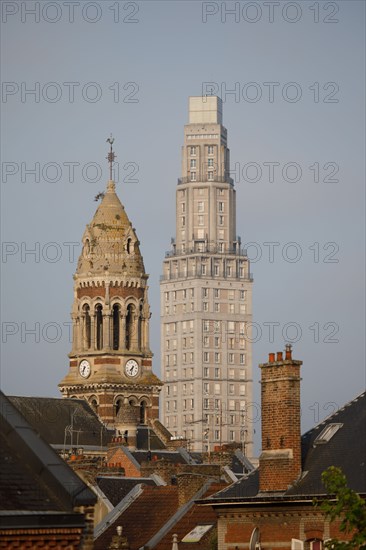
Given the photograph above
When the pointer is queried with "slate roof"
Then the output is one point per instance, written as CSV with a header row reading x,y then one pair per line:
x,y
143,518
173,457
32,475
345,449
116,488
50,416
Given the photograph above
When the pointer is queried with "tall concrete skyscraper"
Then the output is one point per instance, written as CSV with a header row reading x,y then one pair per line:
x,y
206,297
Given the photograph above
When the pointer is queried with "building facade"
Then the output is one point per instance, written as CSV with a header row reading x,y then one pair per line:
x,y
111,361
206,296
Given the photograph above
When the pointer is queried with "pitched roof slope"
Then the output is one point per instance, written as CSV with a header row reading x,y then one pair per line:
x,y
116,488
143,518
196,515
51,416
32,475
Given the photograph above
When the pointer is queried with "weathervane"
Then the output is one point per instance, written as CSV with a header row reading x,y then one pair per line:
x,y
111,156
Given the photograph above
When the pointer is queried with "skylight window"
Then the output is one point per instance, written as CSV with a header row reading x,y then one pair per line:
x,y
327,433
197,533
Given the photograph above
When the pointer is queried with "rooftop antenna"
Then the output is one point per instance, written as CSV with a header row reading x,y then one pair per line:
x,y
111,156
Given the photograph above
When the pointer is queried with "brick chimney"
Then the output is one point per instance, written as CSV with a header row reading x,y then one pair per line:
x,y
280,460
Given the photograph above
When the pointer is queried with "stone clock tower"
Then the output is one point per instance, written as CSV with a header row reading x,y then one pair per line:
x,y
110,360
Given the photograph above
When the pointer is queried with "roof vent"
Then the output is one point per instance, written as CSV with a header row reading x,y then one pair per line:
x,y
327,433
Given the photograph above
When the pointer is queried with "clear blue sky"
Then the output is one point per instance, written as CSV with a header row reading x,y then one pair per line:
x,y
130,72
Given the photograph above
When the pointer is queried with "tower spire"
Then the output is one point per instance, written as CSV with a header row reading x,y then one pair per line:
x,y
111,156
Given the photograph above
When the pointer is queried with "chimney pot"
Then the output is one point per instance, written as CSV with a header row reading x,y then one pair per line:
x,y
288,352
271,358
279,356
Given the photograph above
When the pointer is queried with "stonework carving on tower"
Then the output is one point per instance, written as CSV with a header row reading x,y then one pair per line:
x,y
110,359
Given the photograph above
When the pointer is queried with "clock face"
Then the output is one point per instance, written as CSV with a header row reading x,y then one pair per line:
x,y
84,368
131,368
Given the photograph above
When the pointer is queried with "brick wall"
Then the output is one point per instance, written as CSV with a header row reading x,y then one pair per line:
x,y
116,457
277,526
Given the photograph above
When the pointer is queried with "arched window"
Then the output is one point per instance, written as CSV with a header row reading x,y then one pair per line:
x,y
87,326
143,406
99,325
128,246
116,326
94,404
119,403
130,319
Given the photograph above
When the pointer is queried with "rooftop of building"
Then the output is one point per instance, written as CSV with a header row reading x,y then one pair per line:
x,y
339,440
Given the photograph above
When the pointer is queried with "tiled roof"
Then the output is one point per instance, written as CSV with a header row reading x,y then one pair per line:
x,y
116,488
143,518
51,416
196,515
345,449
32,475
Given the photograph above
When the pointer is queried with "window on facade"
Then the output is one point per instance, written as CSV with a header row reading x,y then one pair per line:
x,y
242,374
221,220
217,435
210,163
232,435
193,163
210,150
217,357
193,151
231,389
205,372
203,269
217,372
242,359
242,389
205,403
231,373
192,403
242,309
205,306
206,356
205,292
231,326
183,221
217,292
200,220
206,325
216,269
217,389
221,206
217,307
231,405
206,387
210,176
232,419
231,358
217,341
242,294
231,308
201,206
193,176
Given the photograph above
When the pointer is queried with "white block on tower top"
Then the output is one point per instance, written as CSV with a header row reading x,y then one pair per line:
x,y
205,109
